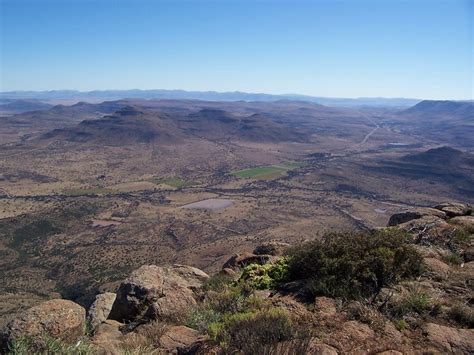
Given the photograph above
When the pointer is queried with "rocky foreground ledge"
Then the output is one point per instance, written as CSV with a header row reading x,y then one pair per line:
x,y
180,309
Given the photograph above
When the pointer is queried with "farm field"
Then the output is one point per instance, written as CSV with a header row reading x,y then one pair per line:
x,y
267,172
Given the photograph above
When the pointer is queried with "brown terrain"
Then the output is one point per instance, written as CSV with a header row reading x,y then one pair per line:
x,y
92,191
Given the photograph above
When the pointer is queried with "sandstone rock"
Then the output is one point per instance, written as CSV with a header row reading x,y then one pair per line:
x,y
244,259
325,305
437,267
60,319
467,222
454,209
100,309
108,336
449,339
390,352
177,337
403,217
156,292
271,248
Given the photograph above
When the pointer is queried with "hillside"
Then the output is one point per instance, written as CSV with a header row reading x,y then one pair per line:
x,y
403,289
126,126
23,105
442,157
430,109
136,124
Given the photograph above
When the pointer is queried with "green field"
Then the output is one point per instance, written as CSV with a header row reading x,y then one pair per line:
x,y
267,172
174,182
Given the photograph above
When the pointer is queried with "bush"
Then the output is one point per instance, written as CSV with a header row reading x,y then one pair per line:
x,y
355,265
217,283
216,305
462,314
453,259
366,313
416,302
266,276
263,332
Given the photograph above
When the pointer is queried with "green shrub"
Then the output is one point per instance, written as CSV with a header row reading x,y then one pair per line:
x,y
269,331
401,325
416,301
266,276
216,305
355,265
233,299
453,259
462,314
201,317
217,283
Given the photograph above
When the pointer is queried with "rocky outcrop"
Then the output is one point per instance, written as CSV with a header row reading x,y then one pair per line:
x,y
403,217
449,339
59,319
99,310
157,292
454,209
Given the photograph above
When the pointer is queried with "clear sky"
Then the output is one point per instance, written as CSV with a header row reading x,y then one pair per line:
x,y
389,48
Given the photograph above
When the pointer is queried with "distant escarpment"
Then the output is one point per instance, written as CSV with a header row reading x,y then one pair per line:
x,y
402,289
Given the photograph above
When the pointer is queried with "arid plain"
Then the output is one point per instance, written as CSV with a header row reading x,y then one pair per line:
x,y
91,191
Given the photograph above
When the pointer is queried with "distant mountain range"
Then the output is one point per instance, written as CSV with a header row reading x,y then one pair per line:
x,y
201,95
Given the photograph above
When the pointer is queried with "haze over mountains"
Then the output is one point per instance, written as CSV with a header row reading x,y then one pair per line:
x,y
201,95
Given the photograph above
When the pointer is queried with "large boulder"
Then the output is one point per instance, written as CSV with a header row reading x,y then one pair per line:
x,y
157,292
454,209
99,310
449,339
179,337
59,319
108,337
405,216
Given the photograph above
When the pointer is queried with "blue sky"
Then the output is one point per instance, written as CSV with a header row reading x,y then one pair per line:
x,y
415,48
